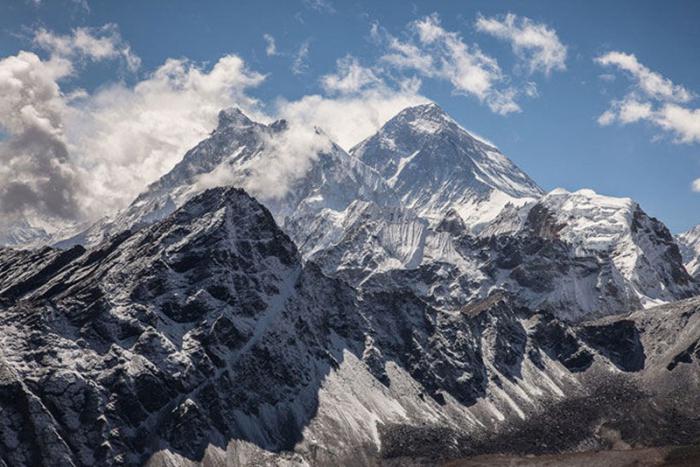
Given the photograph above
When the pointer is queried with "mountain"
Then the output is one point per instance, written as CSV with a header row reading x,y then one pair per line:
x,y
435,165
622,258
576,255
243,153
204,337
423,204
690,249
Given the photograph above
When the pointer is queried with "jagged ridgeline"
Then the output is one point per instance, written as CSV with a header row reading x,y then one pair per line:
x,y
383,310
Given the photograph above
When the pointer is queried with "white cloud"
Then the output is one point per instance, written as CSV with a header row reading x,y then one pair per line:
x,y
683,122
695,186
81,156
36,174
323,6
95,44
126,137
300,63
649,82
441,54
349,118
271,46
350,77
535,43
654,99
629,110
287,157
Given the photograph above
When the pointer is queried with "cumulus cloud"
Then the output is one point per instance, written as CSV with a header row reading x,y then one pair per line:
x,y
76,156
653,98
126,137
36,174
535,43
94,44
300,63
437,53
271,46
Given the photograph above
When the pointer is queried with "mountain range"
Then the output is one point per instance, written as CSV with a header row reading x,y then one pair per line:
x,y
413,300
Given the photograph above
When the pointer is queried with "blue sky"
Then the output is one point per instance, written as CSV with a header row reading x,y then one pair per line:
x,y
647,148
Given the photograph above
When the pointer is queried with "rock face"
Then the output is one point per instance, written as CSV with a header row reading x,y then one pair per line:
x,y
577,255
689,243
204,337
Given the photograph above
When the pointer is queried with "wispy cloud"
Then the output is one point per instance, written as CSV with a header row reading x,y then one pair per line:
x,y
653,98
85,43
650,83
437,53
536,44
348,118
300,63
271,46
350,77
323,6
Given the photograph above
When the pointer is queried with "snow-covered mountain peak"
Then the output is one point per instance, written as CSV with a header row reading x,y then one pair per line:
x,y
434,164
233,117
596,221
425,118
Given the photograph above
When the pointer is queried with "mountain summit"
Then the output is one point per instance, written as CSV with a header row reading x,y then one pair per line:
x,y
433,164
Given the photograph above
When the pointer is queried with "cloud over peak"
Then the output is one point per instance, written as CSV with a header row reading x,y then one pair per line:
x,y
434,52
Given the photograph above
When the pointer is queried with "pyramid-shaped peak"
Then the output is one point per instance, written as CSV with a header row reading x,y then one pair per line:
x,y
233,116
430,111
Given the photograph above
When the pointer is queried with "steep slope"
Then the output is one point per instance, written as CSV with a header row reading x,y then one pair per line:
x,y
635,259
421,207
689,243
435,165
204,335
241,152
576,255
